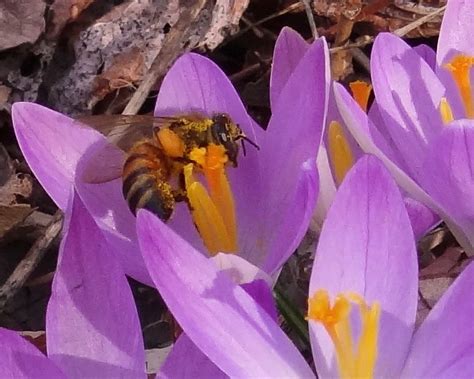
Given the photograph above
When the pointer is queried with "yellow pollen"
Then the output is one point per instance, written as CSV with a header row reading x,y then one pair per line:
x,y
354,359
460,67
340,153
198,155
214,211
445,111
361,93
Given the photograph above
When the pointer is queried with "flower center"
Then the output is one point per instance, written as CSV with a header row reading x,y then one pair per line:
x,y
354,359
445,111
213,211
339,150
460,67
361,92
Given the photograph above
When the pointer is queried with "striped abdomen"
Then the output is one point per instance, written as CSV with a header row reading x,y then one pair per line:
x,y
145,180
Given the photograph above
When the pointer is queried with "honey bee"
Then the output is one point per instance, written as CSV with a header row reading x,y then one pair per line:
x,y
157,149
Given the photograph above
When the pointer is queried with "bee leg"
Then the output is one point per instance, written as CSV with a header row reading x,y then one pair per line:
x,y
179,195
185,161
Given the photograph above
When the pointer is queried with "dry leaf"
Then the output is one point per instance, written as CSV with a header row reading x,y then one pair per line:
x,y
21,21
6,166
431,291
36,338
11,216
125,70
65,11
4,96
444,265
384,15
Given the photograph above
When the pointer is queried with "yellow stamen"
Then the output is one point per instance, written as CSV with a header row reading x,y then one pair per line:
x,y
445,111
355,360
205,214
361,93
214,211
460,67
340,153
220,191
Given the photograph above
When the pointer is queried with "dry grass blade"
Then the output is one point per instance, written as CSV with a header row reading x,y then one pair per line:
x,y
31,260
310,16
417,23
291,8
399,32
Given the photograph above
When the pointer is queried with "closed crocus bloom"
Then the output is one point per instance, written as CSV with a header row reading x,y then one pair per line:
x,y
422,125
339,150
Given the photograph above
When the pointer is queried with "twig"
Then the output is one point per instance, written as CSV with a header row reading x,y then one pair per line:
x,y
254,28
417,23
31,260
167,55
310,16
399,32
361,58
290,8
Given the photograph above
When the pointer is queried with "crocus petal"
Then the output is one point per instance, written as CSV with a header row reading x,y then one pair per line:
x,y
327,188
443,345
290,47
186,361
381,136
106,204
294,219
91,322
292,138
408,94
457,28
366,246
240,270
216,314
52,144
428,54
422,218
359,124
20,359
449,176
256,282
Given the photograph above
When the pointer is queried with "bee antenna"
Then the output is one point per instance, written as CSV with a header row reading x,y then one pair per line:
x,y
243,147
245,138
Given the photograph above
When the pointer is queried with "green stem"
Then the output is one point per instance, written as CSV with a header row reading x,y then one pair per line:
x,y
292,316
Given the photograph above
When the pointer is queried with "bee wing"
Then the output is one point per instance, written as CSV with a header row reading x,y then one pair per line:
x,y
121,130
104,165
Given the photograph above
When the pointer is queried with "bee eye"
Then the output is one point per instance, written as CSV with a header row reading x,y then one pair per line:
x,y
223,137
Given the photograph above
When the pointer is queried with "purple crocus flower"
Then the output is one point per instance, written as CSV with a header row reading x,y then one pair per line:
x,y
362,297
339,150
273,189
92,326
422,123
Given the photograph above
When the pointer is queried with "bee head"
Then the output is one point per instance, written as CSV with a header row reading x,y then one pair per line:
x,y
226,133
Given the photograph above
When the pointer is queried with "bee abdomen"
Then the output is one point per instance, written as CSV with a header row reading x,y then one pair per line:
x,y
145,185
